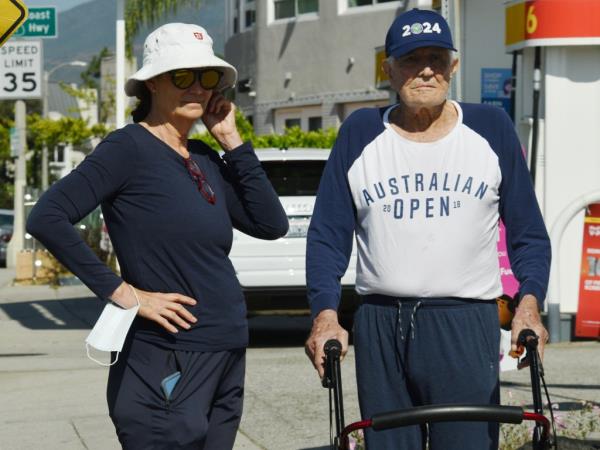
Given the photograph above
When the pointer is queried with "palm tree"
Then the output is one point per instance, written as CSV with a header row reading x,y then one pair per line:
x,y
139,13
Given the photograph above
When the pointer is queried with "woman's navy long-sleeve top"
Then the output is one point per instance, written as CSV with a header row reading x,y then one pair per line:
x,y
167,236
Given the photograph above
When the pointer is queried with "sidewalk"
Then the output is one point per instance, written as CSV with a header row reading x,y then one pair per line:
x,y
52,396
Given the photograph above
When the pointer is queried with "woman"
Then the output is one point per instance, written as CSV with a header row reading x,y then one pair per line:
x,y
170,204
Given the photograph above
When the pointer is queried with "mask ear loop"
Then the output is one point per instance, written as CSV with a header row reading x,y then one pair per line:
x,y
87,346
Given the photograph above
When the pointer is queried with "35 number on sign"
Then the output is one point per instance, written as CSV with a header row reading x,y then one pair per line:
x,y
27,83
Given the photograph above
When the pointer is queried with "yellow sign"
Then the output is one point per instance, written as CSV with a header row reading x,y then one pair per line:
x,y
515,24
12,15
531,23
381,79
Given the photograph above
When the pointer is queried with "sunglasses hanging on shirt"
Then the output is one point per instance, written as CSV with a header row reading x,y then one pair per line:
x,y
203,186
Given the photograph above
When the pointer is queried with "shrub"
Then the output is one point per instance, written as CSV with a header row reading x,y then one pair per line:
x,y
292,137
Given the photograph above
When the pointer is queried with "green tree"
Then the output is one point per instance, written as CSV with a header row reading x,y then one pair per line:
x,y
292,137
6,166
139,13
7,114
66,130
91,75
7,109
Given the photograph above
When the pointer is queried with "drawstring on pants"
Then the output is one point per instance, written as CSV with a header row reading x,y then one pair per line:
x,y
412,319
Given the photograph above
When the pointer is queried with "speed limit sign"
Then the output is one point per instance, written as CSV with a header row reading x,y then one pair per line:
x,y
21,70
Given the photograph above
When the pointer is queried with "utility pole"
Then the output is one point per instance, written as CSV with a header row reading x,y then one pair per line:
x,y
45,94
120,63
450,10
16,243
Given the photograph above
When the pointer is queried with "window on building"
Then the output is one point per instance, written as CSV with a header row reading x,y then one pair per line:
x,y
243,14
306,117
59,153
285,9
352,3
307,6
236,16
250,17
315,123
295,122
249,13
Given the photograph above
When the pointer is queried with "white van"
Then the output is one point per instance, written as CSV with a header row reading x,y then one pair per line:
x,y
272,273
7,217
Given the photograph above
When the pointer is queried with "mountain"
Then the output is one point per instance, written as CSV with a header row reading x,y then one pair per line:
x,y
61,5
85,29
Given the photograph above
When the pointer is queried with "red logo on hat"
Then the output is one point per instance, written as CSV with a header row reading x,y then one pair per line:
x,y
198,35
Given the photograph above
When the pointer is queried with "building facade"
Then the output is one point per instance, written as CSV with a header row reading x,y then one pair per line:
x,y
308,63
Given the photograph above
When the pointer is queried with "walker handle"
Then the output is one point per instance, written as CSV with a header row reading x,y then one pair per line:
x,y
447,413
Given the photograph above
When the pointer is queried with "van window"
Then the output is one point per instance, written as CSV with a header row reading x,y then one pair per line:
x,y
294,178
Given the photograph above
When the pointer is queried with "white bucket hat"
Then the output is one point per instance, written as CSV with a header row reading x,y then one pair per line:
x,y
178,46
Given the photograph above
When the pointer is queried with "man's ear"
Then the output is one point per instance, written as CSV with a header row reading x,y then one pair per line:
x,y
454,66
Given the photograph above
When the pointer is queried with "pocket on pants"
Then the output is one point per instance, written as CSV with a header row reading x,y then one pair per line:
x,y
490,330
173,373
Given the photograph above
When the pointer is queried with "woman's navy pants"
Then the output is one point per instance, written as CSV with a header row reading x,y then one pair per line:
x,y
205,406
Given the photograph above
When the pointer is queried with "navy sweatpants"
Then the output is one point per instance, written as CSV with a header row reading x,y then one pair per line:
x,y
205,407
411,353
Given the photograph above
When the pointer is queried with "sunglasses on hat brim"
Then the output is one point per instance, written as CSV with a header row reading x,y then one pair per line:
x,y
184,78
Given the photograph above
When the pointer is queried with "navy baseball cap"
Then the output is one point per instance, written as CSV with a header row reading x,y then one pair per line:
x,y
417,28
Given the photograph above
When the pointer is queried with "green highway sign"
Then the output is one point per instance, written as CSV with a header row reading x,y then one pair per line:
x,y
41,23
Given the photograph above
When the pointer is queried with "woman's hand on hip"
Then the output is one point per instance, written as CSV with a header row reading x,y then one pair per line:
x,y
166,309
219,118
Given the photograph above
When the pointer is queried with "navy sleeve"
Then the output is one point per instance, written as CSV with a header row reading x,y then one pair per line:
x,y
101,175
252,202
527,240
331,231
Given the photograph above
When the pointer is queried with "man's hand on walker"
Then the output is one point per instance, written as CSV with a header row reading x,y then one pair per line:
x,y
527,315
325,327
166,309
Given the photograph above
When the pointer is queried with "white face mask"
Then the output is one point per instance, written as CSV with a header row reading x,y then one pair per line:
x,y
110,330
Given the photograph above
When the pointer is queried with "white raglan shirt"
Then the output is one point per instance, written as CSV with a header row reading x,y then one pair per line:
x,y
425,215
414,202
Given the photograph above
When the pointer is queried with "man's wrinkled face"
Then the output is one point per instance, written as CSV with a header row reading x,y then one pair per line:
x,y
422,77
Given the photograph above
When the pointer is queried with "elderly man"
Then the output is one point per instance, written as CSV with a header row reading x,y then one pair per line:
x,y
423,184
